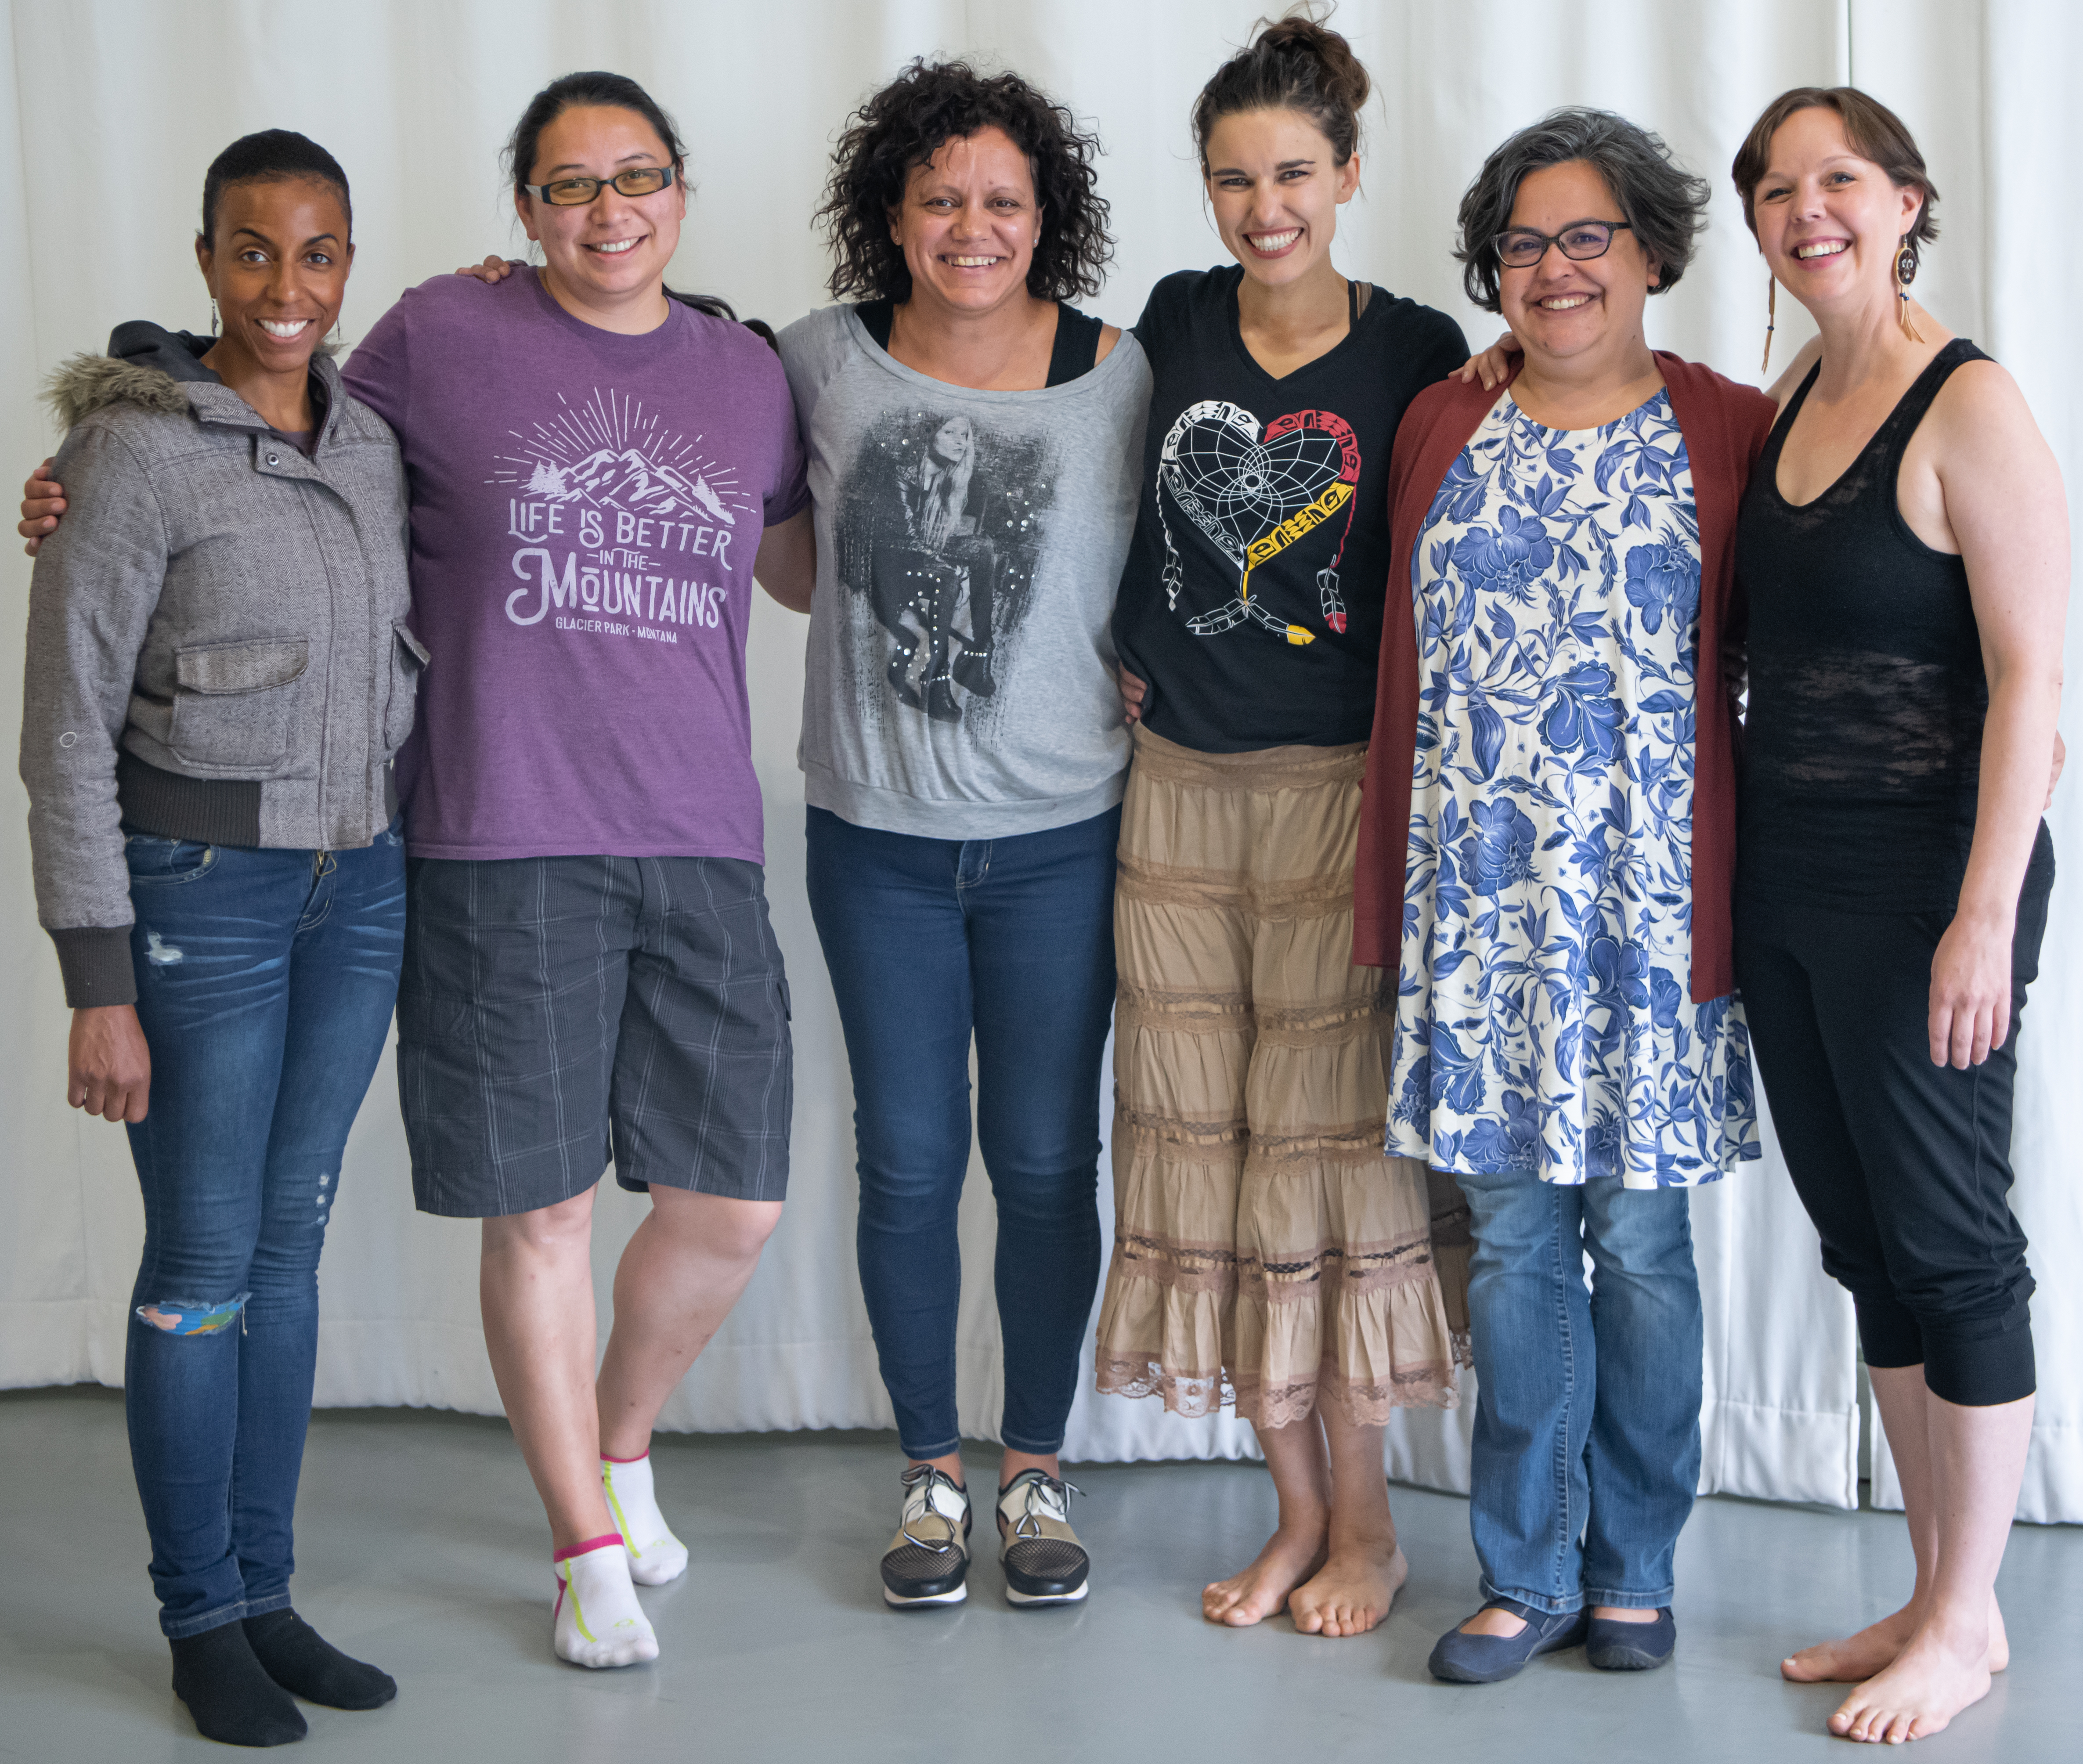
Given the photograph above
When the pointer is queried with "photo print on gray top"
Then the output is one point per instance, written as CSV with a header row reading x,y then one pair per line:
x,y
940,530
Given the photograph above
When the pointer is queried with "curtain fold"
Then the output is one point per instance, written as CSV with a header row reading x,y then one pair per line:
x,y
118,105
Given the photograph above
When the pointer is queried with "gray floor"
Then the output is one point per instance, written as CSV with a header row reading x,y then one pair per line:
x,y
421,1547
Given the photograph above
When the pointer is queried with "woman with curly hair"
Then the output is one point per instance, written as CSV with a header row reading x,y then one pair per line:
x,y
974,447
1265,1245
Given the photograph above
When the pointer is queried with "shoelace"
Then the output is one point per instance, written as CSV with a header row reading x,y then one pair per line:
x,y
1052,1495
918,1483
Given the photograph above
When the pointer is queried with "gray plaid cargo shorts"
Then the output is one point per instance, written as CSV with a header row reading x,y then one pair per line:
x,y
558,1012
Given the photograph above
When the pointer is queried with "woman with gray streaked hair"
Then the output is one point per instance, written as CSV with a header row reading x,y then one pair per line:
x,y
1545,861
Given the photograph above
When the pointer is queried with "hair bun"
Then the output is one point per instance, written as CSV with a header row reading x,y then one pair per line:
x,y
1295,62
1301,32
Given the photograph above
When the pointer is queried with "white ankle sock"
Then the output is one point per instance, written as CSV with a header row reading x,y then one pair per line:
x,y
655,1555
597,1621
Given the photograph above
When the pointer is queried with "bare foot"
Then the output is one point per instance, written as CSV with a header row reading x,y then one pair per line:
x,y
1933,1680
1351,1593
1857,1658
1289,1557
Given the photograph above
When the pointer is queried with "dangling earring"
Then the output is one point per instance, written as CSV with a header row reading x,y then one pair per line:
x,y
212,316
1771,324
1905,273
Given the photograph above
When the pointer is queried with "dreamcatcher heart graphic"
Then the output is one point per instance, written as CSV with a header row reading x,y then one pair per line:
x,y
1254,495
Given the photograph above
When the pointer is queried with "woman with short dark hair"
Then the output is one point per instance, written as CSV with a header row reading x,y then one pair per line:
x,y
1546,863
219,672
973,443
1904,551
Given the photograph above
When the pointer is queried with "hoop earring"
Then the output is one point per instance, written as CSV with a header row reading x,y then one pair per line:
x,y
1905,273
1771,324
212,317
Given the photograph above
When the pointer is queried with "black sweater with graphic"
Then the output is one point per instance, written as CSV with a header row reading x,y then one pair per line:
x,y
1252,600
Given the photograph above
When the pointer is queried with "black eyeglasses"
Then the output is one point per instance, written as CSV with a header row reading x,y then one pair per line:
x,y
1521,247
576,192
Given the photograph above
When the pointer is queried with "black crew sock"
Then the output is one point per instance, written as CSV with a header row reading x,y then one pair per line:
x,y
232,1699
300,1660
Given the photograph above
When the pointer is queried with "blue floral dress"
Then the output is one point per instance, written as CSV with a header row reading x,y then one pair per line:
x,y
1543,1023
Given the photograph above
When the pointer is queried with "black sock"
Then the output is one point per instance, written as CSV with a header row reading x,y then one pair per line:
x,y
301,1660
233,1700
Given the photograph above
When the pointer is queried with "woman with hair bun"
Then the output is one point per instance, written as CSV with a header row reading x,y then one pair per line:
x,y
1904,549
974,443
219,673
1545,865
1265,1245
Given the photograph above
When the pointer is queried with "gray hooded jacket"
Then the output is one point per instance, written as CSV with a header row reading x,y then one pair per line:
x,y
218,648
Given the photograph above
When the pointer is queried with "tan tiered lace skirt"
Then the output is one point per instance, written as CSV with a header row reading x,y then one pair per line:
x,y
1266,1251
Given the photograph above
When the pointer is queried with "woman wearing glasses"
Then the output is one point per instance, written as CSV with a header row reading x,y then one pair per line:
x,y
1546,863
599,471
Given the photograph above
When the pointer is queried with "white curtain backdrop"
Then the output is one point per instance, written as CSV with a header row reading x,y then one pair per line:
x,y
116,105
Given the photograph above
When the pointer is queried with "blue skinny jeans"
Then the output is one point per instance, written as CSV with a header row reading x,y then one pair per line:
x,y
1587,1450
265,982
930,942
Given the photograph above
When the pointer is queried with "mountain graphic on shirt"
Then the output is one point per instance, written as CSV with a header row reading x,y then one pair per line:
x,y
625,479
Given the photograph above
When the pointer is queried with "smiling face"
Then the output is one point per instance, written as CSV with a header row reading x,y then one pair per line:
x,y
1828,222
1561,309
277,269
968,222
1275,187
615,249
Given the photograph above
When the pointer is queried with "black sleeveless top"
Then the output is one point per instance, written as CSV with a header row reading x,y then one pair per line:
x,y
1075,351
1862,749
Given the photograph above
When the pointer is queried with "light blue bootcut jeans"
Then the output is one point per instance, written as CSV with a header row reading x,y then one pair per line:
x,y
1586,1453
265,981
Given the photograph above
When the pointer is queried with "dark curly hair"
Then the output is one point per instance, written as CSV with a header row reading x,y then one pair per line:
x,y
903,125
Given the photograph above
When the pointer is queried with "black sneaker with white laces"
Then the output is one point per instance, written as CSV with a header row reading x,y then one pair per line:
x,y
1044,1563
928,1562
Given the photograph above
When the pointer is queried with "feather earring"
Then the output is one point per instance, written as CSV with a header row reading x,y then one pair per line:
x,y
212,316
1771,324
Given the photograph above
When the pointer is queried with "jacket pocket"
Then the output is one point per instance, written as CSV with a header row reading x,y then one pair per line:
x,y
408,662
233,702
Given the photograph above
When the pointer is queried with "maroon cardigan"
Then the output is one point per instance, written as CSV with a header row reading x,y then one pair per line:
x,y
1725,426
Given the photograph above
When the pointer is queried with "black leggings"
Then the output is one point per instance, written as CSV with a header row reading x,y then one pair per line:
x,y
1903,1165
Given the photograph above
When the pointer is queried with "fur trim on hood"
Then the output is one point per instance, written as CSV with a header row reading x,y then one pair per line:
x,y
87,383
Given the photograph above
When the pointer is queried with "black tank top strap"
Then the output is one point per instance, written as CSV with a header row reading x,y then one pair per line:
x,y
1077,347
1075,351
878,317
1892,439
1889,442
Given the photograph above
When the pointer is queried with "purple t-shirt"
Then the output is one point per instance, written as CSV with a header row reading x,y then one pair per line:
x,y
585,510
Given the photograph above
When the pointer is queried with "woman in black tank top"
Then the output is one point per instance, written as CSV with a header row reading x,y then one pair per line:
x,y
1907,595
